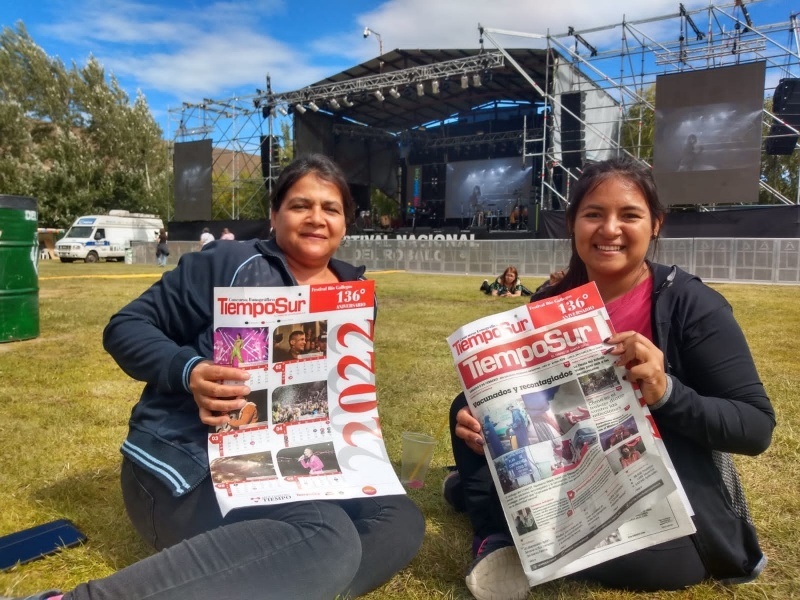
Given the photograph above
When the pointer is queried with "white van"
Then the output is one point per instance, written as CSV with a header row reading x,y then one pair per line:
x,y
106,236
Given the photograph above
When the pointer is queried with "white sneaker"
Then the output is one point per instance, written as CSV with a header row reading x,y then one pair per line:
x,y
496,573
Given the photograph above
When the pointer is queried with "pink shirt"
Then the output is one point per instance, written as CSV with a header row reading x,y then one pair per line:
x,y
314,462
631,311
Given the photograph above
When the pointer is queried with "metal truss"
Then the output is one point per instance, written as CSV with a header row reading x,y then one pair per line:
x,y
236,126
363,132
728,38
427,142
383,81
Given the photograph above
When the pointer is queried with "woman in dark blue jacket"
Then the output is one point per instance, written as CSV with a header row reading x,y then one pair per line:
x,y
678,339
312,549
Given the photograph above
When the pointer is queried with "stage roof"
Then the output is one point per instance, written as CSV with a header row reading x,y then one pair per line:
x,y
410,110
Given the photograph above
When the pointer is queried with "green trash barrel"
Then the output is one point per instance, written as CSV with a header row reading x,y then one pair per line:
x,y
19,277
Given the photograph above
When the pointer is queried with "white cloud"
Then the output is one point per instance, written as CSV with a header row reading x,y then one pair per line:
x,y
454,23
211,65
443,24
188,51
188,54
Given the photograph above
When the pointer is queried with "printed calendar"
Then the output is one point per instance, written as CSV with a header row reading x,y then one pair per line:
x,y
310,427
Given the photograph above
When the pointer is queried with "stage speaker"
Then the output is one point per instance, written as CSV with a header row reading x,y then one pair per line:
x,y
572,142
269,142
786,105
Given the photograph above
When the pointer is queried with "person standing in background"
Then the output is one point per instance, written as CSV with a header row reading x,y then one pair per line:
x,y
227,235
162,250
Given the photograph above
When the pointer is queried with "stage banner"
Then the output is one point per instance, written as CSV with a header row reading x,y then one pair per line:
x,y
192,167
708,135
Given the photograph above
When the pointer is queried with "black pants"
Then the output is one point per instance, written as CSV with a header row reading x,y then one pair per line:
x,y
669,566
303,550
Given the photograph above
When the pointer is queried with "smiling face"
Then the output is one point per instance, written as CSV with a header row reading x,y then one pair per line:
x,y
612,232
297,343
509,277
310,222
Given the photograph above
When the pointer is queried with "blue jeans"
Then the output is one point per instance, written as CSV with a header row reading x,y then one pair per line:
x,y
308,550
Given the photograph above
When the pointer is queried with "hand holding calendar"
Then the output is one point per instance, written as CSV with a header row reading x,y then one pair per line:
x,y
312,429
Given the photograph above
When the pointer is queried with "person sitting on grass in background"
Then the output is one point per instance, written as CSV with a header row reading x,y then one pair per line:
x,y
306,549
554,278
507,285
679,340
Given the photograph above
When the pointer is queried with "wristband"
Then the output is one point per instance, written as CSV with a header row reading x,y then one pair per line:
x,y
667,393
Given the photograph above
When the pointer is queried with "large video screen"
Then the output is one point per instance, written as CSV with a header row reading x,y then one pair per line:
x,y
192,186
491,186
708,135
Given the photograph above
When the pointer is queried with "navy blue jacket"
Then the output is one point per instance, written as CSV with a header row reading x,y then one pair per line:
x,y
718,406
162,335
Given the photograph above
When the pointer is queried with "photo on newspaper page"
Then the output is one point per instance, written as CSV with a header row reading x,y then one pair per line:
x,y
577,462
310,428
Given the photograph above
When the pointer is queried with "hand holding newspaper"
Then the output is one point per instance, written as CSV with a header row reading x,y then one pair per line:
x,y
310,429
576,458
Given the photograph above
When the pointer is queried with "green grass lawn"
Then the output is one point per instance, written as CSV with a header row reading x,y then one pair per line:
x,y
66,406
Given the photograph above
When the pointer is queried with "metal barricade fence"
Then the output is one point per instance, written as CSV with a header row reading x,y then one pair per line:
x,y
747,260
753,260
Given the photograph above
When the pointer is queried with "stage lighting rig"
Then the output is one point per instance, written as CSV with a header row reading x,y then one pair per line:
x,y
394,93
313,106
334,104
300,108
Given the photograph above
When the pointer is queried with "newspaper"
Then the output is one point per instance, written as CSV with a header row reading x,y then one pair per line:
x,y
576,459
310,428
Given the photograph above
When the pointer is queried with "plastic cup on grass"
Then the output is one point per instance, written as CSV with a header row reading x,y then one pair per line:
x,y
417,453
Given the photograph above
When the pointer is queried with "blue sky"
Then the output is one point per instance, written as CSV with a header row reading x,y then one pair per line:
x,y
184,50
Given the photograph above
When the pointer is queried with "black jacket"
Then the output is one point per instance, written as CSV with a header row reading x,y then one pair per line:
x,y
159,338
718,405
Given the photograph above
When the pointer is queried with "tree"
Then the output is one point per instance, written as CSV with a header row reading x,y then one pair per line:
x,y
287,143
72,139
780,172
638,127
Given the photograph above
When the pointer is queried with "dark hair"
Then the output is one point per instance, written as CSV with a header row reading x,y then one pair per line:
x,y
633,171
324,168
